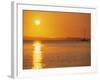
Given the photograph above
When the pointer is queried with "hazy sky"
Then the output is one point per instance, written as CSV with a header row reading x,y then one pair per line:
x,y
56,24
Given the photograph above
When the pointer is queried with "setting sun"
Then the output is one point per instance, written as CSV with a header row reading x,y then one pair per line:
x,y
37,22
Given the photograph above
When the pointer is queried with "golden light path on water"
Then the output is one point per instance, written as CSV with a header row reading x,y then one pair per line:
x,y
37,55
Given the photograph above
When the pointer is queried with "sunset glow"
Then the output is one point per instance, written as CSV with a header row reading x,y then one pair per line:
x,y
56,24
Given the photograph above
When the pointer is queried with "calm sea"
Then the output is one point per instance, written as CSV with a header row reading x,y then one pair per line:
x,y
56,54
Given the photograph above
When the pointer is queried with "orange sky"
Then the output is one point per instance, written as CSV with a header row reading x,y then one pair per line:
x,y
56,24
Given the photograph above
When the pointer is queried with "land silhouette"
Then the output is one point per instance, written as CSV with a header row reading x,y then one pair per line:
x,y
45,39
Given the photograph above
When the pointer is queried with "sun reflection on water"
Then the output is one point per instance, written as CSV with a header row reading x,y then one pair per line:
x,y
37,55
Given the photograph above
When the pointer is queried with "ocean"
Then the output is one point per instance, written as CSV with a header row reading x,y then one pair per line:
x,y
38,54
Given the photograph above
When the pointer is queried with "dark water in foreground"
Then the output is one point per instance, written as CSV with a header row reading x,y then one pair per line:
x,y
53,55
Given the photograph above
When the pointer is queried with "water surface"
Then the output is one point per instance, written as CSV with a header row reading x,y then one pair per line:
x,y
56,54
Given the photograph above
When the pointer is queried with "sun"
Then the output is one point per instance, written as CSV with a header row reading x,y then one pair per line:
x,y
37,22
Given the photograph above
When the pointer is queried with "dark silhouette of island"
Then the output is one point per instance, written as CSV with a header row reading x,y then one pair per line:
x,y
54,39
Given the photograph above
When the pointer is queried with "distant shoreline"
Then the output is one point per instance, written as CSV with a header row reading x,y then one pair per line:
x,y
56,41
